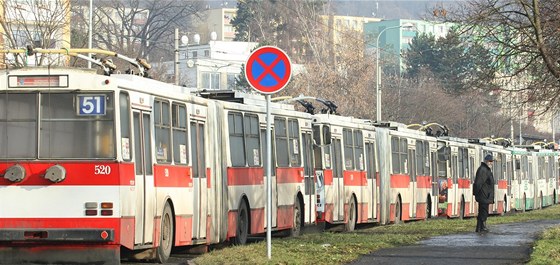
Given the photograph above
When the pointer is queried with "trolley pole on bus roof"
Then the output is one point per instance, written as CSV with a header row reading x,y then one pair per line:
x,y
268,70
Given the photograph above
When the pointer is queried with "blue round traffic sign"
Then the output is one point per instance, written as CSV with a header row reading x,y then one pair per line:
x,y
268,69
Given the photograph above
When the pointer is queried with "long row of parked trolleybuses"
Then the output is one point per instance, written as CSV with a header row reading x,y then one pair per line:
x,y
94,165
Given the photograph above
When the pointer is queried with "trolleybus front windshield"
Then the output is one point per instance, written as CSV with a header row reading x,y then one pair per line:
x,y
57,126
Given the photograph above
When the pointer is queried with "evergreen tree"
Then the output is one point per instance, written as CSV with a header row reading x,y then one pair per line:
x,y
245,13
460,65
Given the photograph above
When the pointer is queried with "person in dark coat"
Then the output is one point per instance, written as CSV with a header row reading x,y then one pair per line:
x,y
483,190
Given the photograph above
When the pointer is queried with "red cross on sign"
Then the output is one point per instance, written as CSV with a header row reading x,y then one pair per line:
x,y
268,69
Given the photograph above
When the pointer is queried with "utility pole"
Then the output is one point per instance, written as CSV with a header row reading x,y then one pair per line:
x,y
176,62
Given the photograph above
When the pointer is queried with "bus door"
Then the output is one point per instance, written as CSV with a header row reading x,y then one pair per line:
x,y
413,183
144,179
309,178
371,179
435,183
200,184
338,181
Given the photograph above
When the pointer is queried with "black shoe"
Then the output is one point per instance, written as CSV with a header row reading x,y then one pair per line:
x,y
484,230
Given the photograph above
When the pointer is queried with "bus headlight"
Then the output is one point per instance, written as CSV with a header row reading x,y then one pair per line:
x,y
56,173
15,173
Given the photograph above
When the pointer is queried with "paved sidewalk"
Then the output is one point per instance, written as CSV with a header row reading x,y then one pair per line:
x,y
505,244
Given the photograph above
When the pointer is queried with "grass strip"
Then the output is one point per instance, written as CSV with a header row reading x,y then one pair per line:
x,y
340,248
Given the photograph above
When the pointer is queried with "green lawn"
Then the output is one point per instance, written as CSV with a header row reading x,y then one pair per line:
x,y
340,248
547,248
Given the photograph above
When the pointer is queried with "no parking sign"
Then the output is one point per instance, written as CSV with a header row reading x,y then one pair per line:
x,y
268,69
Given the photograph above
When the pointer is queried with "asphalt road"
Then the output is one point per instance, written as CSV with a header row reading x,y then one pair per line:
x,y
504,244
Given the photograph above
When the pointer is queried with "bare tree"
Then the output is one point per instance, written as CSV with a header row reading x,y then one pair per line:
x,y
524,37
35,23
139,28
348,83
292,25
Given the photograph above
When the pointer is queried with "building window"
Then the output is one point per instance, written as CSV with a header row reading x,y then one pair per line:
x,y
231,81
210,80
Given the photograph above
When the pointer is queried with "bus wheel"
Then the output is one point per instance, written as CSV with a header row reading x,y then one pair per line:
x,y
429,208
504,211
295,231
166,235
398,211
462,209
351,224
242,229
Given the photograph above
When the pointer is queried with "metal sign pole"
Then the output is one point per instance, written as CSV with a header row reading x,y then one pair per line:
x,y
268,181
273,62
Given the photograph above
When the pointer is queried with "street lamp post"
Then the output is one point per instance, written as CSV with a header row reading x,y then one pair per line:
x,y
185,42
378,72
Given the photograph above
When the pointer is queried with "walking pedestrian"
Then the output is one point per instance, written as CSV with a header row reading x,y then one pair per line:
x,y
483,190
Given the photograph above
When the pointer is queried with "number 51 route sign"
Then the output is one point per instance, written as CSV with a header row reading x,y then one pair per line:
x,y
268,69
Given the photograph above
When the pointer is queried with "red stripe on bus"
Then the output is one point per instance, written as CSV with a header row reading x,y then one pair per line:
x,y
157,231
208,229
245,176
183,230
424,182
285,216
172,176
328,175
421,210
62,223
257,220
208,178
502,184
400,181
232,224
289,175
329,209
405,212
449,184
355,178
77,174
127,231
464,183
467,208
362,212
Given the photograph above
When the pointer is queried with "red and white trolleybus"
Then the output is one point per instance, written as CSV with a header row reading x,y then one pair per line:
x,y
94,165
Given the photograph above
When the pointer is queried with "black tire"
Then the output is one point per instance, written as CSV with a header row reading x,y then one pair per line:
x,y
242,229
163,251
429,208
462,208
295,231
398,211
505,206
351,224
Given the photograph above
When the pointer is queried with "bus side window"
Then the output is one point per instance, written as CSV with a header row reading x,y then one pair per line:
x,y
180,137
162,123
